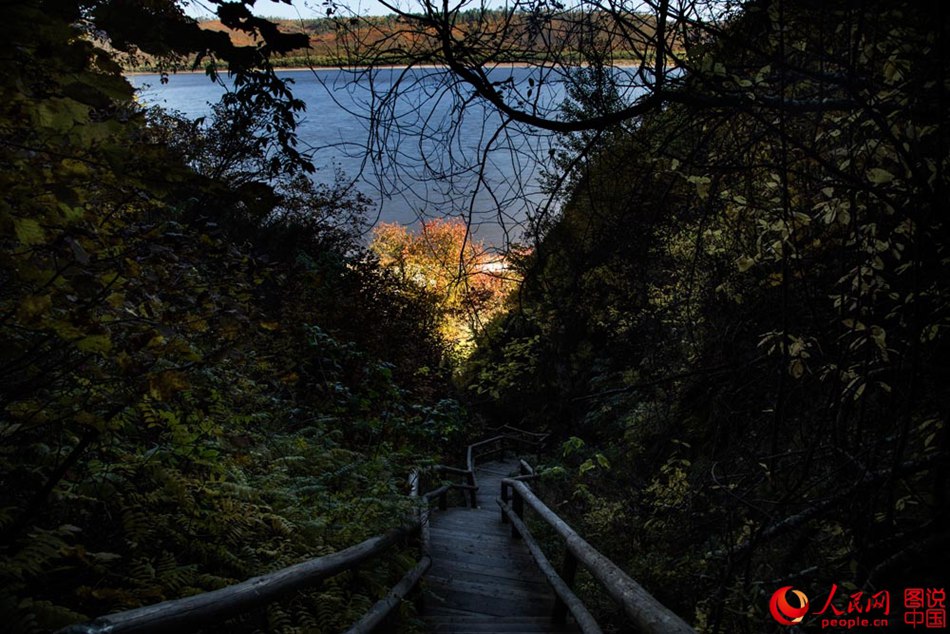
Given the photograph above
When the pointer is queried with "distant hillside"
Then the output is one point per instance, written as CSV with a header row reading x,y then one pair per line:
x,y
389,40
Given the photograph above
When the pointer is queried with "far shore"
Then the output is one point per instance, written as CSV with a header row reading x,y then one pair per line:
x,y
290,69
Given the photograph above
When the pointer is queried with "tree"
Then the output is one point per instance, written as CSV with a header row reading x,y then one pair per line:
x,y
161,31
468,284
732,308
197,376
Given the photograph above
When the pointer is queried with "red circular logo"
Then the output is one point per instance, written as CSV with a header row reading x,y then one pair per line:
x,y
783,611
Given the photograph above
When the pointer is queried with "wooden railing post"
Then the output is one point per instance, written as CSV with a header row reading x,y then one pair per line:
x,y
517,505
645,613
473,497
443,500
568,572
504,498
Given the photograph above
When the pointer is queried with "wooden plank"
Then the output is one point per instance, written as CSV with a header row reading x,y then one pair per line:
x,y
472,549
448,555
442,543
472,518
481,604
490,582
469,582
482,520
489,579
498,472
480,575
485,618
497,625
493,529
496,541
499,590
480,540
444,611
441,568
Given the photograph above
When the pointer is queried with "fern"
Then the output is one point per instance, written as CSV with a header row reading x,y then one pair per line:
x,y
35,553
279,620
48,615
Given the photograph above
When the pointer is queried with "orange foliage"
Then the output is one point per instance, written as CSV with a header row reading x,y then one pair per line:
x,y
467,281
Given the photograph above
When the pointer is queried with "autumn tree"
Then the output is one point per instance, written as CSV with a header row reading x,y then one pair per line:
x,y
467,282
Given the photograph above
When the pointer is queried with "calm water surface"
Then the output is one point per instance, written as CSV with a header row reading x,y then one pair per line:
x,y
436,159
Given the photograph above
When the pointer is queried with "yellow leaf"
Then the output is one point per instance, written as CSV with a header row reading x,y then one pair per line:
x,y
65,329
879,176
164,385
95,343
72,167
32,306
796,368
744,263
879,336
29,231
270,325
199,325
702,185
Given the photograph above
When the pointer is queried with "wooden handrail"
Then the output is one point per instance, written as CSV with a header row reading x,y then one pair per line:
x,y
508,433
578,610
216,605
455,470
421,511
541,435
648,615
382,608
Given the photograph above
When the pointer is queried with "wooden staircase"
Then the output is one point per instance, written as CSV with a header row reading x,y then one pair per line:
x,y
482,569
482,579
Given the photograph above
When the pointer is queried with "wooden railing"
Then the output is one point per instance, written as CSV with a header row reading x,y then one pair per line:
x,y
213,607
210,608
645,613
217,605
503,437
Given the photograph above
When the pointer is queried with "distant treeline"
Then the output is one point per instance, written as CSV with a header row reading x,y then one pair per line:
x,y
375,40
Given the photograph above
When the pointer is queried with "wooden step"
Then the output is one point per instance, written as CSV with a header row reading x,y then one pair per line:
x,y
456,624
482,579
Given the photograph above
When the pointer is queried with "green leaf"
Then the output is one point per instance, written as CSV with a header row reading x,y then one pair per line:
x,y
572,445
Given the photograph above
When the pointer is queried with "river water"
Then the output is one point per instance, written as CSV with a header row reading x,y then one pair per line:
x,y
437,153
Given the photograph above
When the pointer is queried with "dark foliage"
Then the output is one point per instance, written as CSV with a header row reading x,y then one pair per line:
x,y
741,319
203,375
